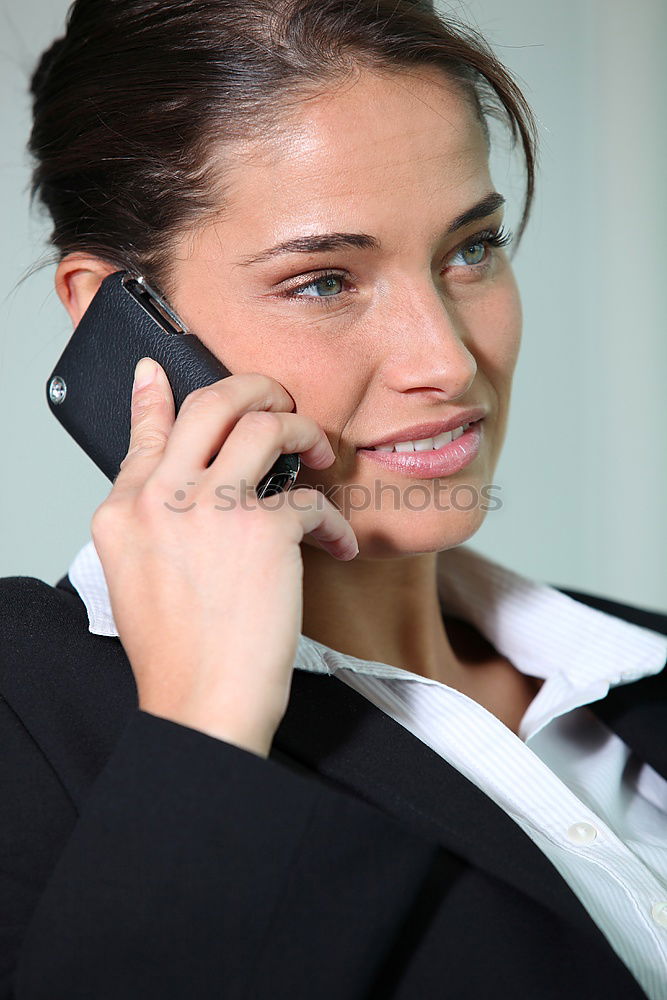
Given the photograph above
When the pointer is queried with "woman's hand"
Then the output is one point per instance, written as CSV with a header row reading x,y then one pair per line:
x,y
208,602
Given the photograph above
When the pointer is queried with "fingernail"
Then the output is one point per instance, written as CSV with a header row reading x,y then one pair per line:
x,y
144,373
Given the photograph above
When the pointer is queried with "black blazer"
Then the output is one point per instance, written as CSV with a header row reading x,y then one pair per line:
x,y
143,859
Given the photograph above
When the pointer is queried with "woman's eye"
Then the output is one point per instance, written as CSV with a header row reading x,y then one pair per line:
x,y
479,255
471,255
326,286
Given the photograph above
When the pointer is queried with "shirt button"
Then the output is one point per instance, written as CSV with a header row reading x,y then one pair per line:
x,y
659,913
582,833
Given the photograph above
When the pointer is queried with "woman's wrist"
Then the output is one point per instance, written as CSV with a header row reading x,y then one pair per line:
x,y
247,730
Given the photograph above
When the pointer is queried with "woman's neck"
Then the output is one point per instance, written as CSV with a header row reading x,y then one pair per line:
x,y
389,611
383,610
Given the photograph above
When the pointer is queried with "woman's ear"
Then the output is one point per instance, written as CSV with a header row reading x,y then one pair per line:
x,y
78,276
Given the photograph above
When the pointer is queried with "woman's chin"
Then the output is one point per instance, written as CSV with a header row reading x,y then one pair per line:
x,y
402,533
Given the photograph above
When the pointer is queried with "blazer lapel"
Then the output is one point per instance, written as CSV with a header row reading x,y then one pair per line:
x,y
335,731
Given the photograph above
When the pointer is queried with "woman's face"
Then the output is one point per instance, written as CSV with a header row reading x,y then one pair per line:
x,y
415,330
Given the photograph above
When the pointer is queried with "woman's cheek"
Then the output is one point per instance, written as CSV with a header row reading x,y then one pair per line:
x,y
497,328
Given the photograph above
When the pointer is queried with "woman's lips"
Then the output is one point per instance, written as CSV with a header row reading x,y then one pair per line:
x,y
445,461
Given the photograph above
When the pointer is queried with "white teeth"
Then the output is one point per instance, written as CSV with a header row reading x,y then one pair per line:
x,y
424,444
443,438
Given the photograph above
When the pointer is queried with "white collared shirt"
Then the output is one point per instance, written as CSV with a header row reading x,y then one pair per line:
x,y
596,811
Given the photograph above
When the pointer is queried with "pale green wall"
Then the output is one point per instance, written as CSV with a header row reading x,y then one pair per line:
x,y
584,471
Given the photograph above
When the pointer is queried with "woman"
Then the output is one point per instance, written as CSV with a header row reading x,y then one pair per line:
x,y
479,807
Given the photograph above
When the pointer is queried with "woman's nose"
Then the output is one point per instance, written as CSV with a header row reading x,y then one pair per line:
x,y
427,350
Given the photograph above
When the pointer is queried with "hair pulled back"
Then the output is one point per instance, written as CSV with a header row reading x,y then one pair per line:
x,y
133,105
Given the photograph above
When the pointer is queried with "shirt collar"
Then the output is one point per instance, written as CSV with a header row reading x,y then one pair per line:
x,y
542,631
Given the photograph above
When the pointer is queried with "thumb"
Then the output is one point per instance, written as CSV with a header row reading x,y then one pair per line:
x,y
152,418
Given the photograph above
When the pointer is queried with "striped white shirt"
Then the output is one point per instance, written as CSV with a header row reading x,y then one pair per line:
x,y
592,807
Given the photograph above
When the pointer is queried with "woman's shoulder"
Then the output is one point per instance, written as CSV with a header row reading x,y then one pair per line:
x,y
27,602
41,621
73,691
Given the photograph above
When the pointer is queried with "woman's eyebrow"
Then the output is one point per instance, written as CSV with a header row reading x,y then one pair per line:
x,y
327,242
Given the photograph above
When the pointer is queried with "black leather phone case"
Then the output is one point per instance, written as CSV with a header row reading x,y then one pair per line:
x,y
89,390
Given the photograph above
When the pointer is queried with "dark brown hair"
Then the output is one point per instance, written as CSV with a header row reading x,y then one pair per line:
x,y
133,105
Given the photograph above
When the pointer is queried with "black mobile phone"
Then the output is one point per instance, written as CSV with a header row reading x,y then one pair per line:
x,y
89,390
